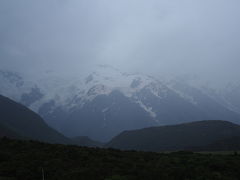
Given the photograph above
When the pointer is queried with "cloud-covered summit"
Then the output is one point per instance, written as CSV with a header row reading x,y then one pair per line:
x,y
167,37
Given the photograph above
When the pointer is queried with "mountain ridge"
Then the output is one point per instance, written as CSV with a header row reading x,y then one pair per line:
x,y
175,137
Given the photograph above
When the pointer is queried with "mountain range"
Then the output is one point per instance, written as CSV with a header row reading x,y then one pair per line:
x,y
19,122
103,103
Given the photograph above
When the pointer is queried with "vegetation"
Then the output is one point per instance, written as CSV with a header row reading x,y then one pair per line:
x,y
24,160
86,141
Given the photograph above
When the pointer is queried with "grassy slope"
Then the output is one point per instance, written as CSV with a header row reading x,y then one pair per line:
x,y
24,160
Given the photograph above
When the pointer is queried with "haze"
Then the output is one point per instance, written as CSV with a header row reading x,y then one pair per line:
x,y
151,36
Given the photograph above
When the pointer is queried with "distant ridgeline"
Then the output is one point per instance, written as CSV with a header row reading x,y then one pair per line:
x,y
196,136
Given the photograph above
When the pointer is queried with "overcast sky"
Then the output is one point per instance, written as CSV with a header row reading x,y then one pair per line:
x,y
150,36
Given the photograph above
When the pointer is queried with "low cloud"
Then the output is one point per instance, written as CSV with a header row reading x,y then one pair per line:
x,y
155,37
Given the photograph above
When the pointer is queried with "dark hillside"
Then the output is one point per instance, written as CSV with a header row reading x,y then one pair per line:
x,y
19,121
24,160
175,137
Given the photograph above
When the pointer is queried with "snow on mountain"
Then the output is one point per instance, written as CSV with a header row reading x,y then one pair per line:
x,y
106,101
228,96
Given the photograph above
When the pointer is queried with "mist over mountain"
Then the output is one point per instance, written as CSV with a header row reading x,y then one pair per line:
x,y
154,37
106,101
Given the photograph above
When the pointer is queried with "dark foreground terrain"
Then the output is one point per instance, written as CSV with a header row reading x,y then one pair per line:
x,y
24,160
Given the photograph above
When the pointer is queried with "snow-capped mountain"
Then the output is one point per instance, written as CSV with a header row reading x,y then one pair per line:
x,y
228,96
104,102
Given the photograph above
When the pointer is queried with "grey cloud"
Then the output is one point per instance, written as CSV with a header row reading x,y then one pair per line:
x,y
154,36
